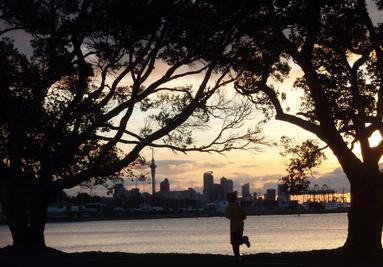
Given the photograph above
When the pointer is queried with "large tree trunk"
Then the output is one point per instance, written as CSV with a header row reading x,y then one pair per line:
x,y
365,215
37,222
15,214
25,214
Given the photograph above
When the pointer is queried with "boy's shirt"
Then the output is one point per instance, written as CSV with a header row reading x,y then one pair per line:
x,y
236,215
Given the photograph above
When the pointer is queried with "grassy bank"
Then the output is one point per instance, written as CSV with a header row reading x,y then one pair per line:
x,y
51,257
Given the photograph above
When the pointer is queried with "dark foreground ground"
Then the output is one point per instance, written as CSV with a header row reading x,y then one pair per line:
x,y
54,258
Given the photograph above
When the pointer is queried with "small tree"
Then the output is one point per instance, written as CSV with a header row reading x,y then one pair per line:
x,y
302,159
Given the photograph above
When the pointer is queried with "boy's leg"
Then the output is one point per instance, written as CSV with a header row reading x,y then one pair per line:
x,y
235,240
236,250
246,241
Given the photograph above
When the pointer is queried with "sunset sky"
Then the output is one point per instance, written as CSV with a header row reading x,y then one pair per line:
x,y
261,169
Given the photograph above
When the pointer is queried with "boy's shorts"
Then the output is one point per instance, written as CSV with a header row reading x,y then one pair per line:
x,y
236,237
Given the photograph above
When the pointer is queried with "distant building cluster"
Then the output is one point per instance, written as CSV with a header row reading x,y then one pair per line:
x,y
216,192
213,196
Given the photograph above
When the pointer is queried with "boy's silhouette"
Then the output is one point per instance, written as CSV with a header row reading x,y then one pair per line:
x,y
236,215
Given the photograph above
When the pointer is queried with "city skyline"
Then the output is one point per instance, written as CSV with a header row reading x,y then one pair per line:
x,y
179,175
187,170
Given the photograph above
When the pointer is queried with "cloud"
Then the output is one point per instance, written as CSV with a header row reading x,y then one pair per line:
x,y
183,167
335,179
173,161
245,166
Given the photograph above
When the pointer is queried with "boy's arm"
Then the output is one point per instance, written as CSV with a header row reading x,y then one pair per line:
x,y
227,213
243,214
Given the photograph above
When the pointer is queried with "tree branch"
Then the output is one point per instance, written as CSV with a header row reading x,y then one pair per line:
x,y
376,41
281,115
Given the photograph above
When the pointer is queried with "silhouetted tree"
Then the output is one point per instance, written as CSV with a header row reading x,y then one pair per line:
x,y
97,83
143,179
302,159
333,52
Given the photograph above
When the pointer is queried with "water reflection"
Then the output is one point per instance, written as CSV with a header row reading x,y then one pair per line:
x,y
273,233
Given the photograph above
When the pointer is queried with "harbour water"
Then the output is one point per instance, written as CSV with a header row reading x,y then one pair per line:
x,y
269,233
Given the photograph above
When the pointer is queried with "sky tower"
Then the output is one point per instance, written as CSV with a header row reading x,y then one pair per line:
x,y
153,172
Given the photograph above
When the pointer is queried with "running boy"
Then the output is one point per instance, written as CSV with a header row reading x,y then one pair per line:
x,y
236,215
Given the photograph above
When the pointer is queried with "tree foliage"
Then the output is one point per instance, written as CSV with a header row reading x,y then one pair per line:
x,y
93,71
331,51
302,159
339,65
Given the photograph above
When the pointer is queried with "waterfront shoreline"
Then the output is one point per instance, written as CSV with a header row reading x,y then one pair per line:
x,y
52,257
151,216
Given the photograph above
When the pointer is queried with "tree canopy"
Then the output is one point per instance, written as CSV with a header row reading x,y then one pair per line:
x,y
94,70
339,70
98,82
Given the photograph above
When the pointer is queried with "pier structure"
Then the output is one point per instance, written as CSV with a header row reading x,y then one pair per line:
x,y
317,194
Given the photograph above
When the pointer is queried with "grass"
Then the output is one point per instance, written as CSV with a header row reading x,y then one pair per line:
x,y
55,258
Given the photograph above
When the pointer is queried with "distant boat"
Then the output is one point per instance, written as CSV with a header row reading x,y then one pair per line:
x,y
222,206
56,211
335,205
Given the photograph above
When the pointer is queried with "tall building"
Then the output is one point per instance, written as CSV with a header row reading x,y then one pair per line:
x,y
283,194
227,185
119,190
270,195
153,167
208,181
246,190
216,193
165,186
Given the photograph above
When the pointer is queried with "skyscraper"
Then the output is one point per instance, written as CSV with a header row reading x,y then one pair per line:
x,y
165,186
227,185
283,194
208,181
246,190
270,195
